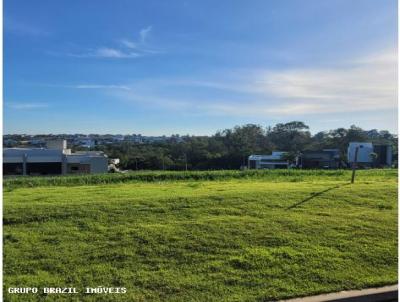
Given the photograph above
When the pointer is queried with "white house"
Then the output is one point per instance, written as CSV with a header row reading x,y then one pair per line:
x,y
54,160
364,152
384,154
273,161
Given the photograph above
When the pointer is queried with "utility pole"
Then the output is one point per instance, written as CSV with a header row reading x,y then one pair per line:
x,y
353,175
185,162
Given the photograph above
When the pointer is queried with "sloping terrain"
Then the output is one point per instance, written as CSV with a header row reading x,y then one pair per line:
x,y
228,239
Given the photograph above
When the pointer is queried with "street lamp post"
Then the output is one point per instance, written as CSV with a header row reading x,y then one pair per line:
x,y
353,175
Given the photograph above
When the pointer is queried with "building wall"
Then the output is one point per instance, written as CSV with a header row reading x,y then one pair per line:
x,y
52,162
389,156
264,164
272,161
385,155
324,159
364,151
13,168
98,165
58,144
43,168
78,169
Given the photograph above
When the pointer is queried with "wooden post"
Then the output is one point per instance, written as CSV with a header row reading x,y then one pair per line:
x,y
353,175
186,165
24,159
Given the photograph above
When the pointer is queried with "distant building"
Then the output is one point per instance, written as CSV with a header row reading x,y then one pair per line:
x,y
384,155
36,142
273,161
364,156
323,159
118,138
86,143
134,138
9,142
54,160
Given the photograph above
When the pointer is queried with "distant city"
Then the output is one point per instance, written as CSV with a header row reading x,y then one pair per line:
x,y
85,141
247,146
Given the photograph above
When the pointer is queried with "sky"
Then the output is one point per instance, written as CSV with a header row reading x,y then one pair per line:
x,y
195,67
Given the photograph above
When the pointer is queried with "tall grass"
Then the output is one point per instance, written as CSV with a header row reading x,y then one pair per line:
x,y
157,176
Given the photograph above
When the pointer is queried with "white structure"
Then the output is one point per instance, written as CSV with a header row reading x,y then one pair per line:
x,y
57,144
86,142
54,160
273,161
364,152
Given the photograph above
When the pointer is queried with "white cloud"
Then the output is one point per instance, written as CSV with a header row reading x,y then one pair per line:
x,y
26,106
365,84
88,86
129,44
105,52
129,49
95,86
144,32
140,44
370,83
384,57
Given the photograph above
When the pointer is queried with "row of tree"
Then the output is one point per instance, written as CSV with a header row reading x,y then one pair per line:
x,y
229,149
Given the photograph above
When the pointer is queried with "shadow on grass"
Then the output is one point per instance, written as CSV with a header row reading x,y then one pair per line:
x,y
316,195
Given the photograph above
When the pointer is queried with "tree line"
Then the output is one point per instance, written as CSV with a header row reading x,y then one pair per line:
x,y
229,148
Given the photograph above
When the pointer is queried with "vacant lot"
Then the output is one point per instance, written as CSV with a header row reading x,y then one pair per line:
x,y
255,237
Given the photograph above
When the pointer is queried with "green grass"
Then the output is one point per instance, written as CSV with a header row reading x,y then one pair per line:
x,y
201,236
155,176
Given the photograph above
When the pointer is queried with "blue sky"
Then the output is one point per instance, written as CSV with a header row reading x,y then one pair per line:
x,y
193,67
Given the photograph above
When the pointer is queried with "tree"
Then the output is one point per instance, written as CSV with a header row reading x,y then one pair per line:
x,y
290,157
230,148
242,141
291,137
356,134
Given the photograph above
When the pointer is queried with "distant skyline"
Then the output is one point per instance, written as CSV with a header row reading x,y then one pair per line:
x,y
173,134
195,67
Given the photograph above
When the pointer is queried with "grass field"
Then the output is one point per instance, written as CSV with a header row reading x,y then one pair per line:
x,y
201,236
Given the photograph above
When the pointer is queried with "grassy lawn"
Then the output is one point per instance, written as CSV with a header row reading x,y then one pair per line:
x,y
257,238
